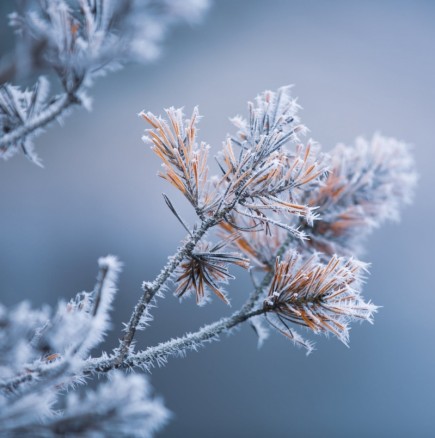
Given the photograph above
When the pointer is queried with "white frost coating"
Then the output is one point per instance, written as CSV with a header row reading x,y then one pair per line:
x,y
42,354
113,265
123,406
78,40
103,296
81,324
22,113
324,297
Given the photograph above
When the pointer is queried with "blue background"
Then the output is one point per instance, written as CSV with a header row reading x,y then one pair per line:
x,y
358,67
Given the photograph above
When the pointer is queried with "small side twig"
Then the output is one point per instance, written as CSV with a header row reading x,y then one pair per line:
x,y
151,289
189,340
39,121
177,346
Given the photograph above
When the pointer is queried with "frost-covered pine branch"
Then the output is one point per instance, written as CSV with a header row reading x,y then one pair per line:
x,y
281,208
323,298
253,182
264,197
76,41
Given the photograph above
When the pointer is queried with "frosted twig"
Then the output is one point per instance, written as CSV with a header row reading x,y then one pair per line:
x,y
151,289
252,174
190,340
39,121
79,40
177,346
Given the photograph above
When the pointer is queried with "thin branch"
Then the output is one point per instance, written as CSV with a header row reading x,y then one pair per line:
x,y
39,372
174,143
190,341
99,287
7,72
51,113
159,353
151,289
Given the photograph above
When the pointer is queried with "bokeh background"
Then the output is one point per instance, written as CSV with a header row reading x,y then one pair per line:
x,y
358,67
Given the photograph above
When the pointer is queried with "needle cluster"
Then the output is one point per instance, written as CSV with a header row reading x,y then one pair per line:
x,y
321,297
367,185
207,267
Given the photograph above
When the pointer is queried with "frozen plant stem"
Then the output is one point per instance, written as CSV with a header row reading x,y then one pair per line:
x,y
256,294
159,353
51,113
76,41
247,177
188,341
151,289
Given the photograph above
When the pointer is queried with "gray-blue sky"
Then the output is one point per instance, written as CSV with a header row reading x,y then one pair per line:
x,y
357,67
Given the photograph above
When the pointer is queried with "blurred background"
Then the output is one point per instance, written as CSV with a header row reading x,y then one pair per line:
x,y
358,67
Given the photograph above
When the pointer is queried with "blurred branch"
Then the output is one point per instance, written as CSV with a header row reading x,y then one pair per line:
x,y
7,72
55,109
79,41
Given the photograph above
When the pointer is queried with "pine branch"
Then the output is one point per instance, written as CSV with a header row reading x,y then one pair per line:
x,y
256,294
55,110
265,199
78,41
256,173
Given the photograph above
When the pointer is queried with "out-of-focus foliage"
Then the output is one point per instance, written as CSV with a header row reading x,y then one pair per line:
x,y
367,185
76,41
44,353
